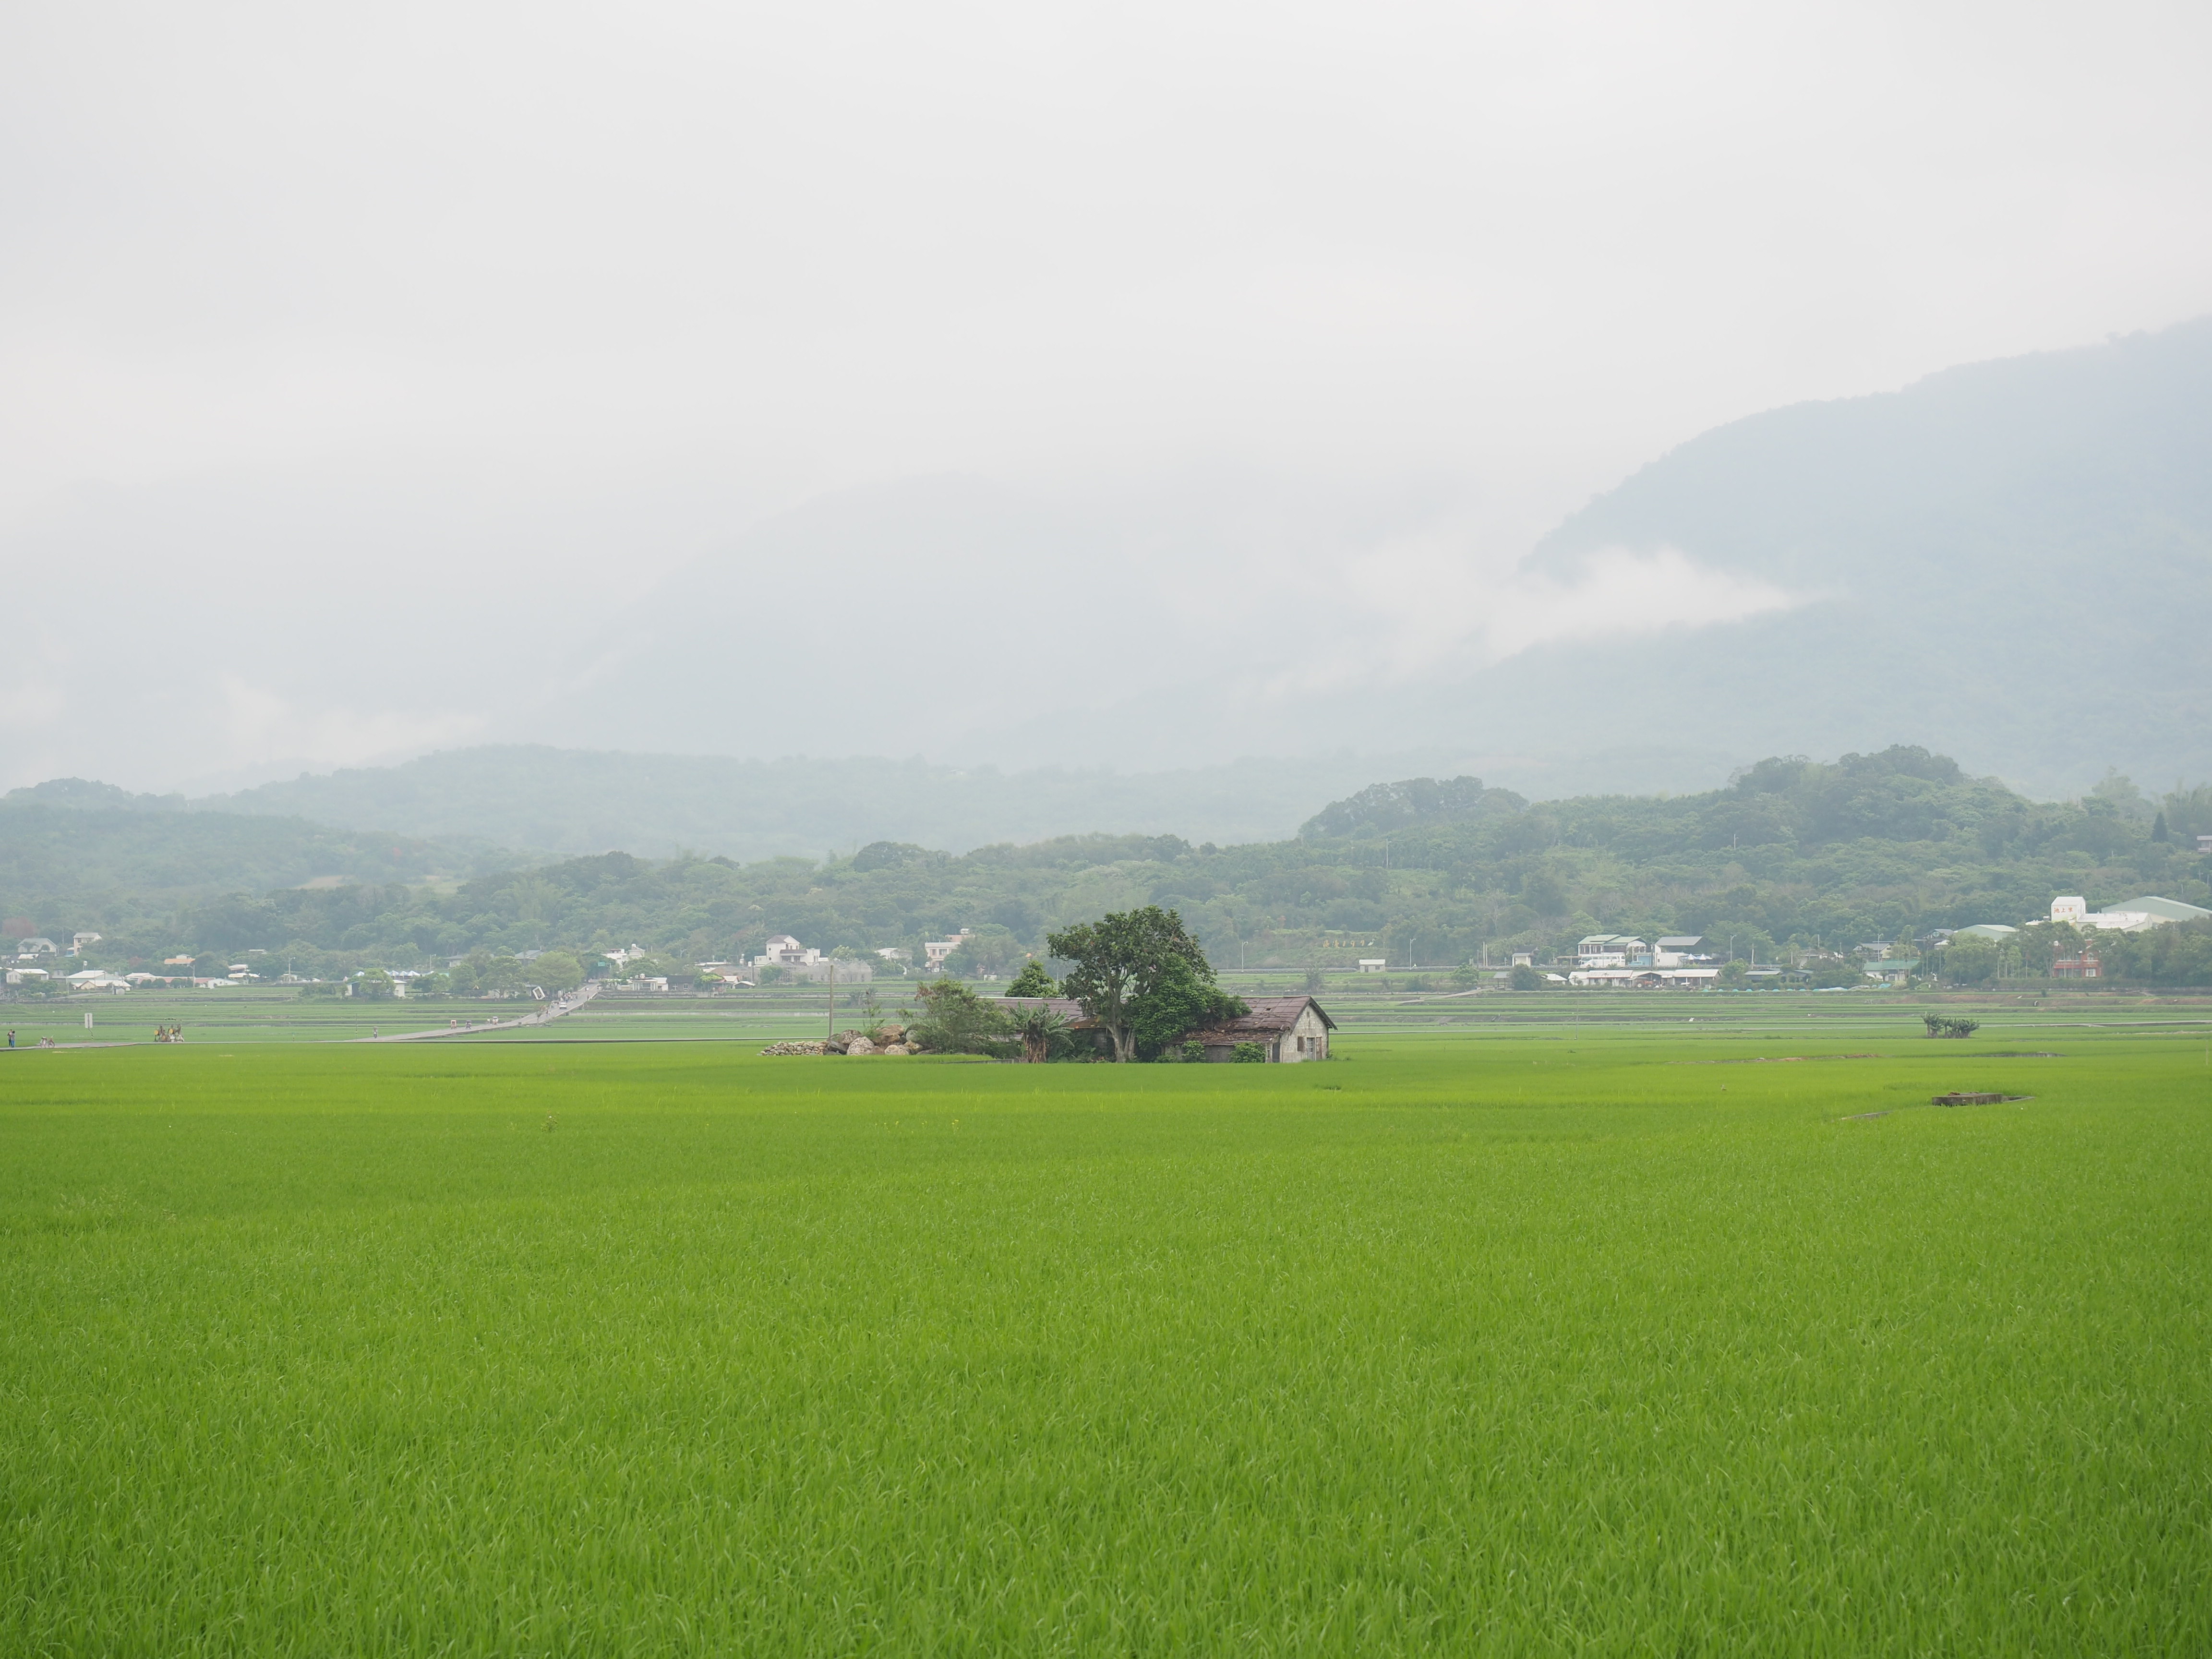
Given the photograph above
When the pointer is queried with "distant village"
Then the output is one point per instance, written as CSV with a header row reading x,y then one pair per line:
x,y
1618,961
1600,961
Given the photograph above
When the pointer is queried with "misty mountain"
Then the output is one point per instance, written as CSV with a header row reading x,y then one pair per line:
x,y
88,853
580,801
2011,561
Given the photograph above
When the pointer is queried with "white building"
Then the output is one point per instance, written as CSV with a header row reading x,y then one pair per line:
x,y
1373,965
2132,916
1644,979
785,951
796,961
1613,951
936,949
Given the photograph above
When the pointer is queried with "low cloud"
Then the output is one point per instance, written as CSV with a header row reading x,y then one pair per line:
x,y
1426,608
1623,593
257,722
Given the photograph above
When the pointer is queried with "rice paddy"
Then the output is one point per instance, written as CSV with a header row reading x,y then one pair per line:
x,y
1528,1338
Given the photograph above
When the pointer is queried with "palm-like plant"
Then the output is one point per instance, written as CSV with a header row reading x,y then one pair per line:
x,y
1038,1025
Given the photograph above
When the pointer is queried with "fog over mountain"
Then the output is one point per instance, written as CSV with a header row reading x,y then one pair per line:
x,y
1142,389
2012,561
568,800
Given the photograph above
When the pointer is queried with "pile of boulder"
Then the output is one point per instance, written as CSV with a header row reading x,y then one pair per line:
x,y
883,1040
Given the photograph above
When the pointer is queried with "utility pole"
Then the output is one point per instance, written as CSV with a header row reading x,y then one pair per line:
x,y
830,1029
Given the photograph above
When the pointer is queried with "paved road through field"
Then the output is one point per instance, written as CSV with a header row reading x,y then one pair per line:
x,y
567,1003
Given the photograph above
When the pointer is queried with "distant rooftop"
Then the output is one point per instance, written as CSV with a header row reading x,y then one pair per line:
x,y
2170,909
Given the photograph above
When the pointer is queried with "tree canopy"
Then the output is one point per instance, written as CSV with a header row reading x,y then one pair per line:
x,y
1034,980
1137,973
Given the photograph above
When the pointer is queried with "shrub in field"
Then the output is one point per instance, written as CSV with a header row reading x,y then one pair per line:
x,y
1249,1054
1941,1026
1526,978
956,1021
1193,1053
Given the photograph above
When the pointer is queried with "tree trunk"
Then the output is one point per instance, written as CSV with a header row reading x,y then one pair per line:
x,y
1125,1044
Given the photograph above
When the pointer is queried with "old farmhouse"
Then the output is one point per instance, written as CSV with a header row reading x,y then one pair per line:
x,y
1288,1030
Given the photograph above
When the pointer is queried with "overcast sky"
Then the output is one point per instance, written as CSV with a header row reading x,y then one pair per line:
x,y
354,362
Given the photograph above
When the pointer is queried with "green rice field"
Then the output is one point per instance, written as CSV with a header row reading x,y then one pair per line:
x,y
1530,1328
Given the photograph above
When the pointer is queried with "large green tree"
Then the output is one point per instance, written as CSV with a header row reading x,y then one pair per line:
x,y
1136,973
1181,1002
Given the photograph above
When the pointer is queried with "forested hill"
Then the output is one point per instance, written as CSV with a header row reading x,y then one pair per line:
x,y
2011,560
76,855
1862,848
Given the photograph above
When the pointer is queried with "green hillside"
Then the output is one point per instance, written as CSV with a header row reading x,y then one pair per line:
x,y
78,855
1793,853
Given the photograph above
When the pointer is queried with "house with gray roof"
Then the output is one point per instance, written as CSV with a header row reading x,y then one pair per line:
x,y
1288,1029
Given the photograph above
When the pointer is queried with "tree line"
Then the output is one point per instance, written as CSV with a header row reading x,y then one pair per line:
x,y
1791,855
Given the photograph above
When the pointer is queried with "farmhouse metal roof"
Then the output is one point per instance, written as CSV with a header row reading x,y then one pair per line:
x,y
1270,1016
